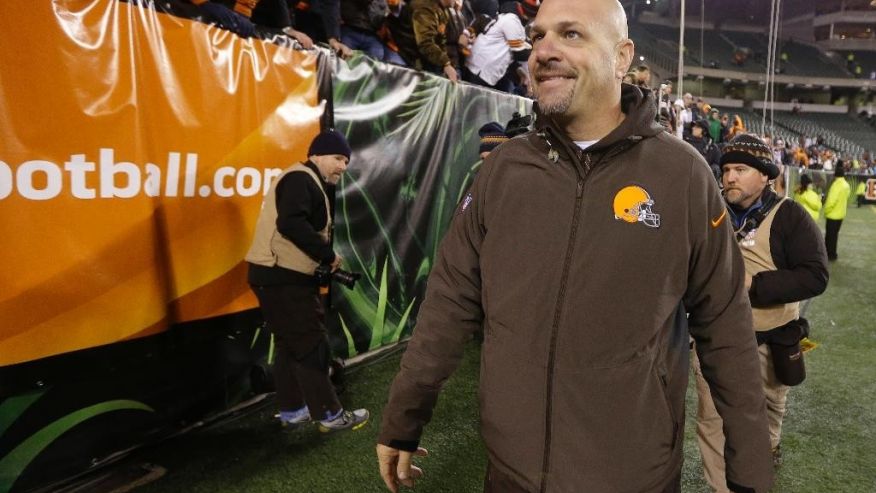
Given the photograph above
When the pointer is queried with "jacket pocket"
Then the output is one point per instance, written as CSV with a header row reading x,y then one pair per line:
x,y
663,381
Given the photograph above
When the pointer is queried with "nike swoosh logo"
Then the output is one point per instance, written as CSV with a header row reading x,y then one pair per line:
x,y
717,222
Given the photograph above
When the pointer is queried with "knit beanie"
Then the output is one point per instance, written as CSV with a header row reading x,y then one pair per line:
x,y
750,150
330,142
492,134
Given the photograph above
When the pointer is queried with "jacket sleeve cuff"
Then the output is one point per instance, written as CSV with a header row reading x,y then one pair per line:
x,y
406,445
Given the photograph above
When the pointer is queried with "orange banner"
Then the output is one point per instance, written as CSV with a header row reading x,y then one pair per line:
x,y
135,149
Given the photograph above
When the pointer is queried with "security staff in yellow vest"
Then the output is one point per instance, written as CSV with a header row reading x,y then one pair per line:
x,y
785,262
835,207
292,238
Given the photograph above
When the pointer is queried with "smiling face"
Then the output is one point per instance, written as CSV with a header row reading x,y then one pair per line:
x,y
579,57
331,166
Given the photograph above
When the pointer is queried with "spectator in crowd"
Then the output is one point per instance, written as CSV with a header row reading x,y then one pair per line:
x,y
500,51
701,110
254,18
835,209
492,134
860,192
666,114
784,264
683,122
827,160
362,21
321,21
715,125
701,141
643,76
292,239
725,128
781,155
738,128
800,157
629,78
430,19
459,37
400,25
686,113
808,198
561,411
866,161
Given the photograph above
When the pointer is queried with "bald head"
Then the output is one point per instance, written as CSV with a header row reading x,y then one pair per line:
x,y
580,54
617,18
608,13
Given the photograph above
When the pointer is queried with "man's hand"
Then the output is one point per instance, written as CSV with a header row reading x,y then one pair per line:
x,y
396,467
451,74
341,49
303,39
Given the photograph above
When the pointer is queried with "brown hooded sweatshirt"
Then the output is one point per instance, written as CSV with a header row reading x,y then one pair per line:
x,y
577,279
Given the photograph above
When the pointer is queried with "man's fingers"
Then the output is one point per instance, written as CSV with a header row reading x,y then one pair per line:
x,y
390,482
396,467
387,468
403,468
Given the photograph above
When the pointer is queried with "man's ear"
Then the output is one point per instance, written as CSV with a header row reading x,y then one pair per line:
x,y
624,58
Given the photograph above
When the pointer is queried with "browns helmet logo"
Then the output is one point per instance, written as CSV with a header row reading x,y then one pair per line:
x,y
633,205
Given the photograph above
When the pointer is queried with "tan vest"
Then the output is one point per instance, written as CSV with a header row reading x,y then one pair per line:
x,y
269,247
755,249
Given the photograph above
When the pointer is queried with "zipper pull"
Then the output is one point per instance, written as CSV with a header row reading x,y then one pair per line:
x,y
580,189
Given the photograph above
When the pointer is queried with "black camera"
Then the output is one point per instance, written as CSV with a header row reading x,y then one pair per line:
x,y
519,124
324,276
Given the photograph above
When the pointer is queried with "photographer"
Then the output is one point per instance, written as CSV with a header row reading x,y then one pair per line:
x,y
785,263
292,241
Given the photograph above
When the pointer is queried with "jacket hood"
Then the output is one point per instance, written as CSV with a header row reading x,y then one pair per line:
x,y
639,108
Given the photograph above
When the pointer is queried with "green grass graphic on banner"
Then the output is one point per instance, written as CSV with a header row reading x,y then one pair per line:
x,y
14,463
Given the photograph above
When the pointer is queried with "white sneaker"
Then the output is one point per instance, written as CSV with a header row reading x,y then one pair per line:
x,y
348,420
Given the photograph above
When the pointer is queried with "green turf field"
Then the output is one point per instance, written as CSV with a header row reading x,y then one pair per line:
x,y
829,439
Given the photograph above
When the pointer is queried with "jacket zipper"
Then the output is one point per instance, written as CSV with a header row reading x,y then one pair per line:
x,y
579,197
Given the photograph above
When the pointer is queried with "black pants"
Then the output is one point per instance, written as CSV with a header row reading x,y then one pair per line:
x,y
294,314
497,482
831,237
